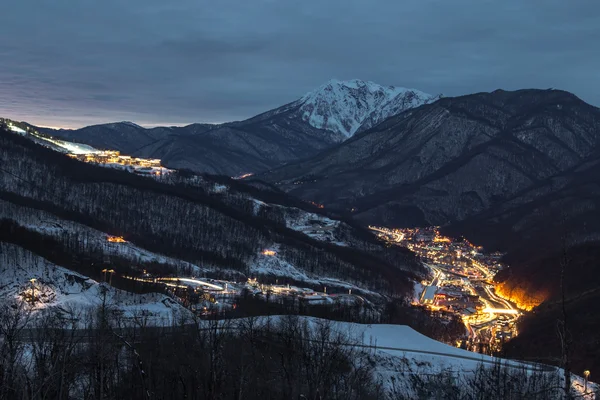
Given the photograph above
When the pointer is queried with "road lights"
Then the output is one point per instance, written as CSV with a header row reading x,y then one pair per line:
x,y
111,272
586,375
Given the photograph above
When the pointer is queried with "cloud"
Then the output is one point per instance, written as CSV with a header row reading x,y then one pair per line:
x,y
67,63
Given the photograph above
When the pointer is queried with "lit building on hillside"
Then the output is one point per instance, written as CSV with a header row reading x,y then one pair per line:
x,y
116,239
115,157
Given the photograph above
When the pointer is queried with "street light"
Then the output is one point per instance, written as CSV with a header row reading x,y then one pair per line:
x,y
586,375
111,272
32,280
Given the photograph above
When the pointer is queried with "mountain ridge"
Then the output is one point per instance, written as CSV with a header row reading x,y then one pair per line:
x,y
262,142
534,134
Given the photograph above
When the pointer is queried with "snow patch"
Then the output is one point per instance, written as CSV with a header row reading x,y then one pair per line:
x,y
315,226
275,265
16,129
257,206
218,188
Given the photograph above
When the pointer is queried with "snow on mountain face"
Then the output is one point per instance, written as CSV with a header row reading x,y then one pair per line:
x,y
344,106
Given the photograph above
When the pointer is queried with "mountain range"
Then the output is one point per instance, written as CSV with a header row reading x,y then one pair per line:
x,y
321,118
455,158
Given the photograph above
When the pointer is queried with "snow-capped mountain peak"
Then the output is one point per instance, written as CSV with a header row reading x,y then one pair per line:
x,y
346,107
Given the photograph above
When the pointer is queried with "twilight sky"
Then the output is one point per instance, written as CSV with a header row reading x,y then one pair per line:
x,y
70,63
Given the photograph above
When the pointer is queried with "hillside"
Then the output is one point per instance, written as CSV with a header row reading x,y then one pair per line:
x,y
217,227
230,149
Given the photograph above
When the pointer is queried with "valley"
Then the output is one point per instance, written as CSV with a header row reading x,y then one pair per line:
x,y
462,284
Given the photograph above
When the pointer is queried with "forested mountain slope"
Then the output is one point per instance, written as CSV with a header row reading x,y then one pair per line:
x,y
232,149
445,161
213,225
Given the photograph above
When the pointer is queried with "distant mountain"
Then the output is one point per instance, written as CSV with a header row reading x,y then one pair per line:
x,y
230,149
451,159
297,130
124,136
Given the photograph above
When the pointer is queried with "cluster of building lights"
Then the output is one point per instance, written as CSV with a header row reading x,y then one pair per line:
x,y
317,204
116,239
115,157
462,283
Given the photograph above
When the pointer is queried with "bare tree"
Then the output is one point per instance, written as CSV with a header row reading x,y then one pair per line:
x,y
562,324
14,320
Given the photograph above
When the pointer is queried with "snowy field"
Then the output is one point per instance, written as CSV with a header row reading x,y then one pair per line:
x,y
67,147
16,129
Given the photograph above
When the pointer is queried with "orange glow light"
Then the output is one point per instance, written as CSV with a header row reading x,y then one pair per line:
x,y
317,204
116,239
522,298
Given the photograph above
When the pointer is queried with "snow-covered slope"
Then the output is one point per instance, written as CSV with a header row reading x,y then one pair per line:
x,y
346,107
26,278
397,354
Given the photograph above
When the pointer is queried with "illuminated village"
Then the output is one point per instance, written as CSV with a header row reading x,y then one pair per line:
x,y
88,154
144,166
462,284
